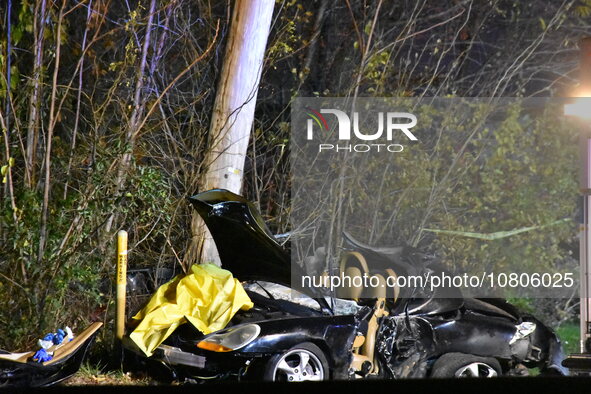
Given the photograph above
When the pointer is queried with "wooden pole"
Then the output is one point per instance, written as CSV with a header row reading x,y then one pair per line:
x,y
233,112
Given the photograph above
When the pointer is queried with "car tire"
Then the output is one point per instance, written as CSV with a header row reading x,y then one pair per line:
x,y
459,365
303,362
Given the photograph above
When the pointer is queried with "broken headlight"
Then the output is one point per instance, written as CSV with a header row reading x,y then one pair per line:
x,y
231,339
522,330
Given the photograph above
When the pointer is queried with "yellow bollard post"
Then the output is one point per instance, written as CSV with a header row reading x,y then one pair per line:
x,y
121,283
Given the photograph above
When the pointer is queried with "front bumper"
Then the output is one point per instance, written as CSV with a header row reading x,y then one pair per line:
x,y
197,366
175,356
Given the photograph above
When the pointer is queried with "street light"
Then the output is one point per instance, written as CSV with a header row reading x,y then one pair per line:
x,y
580,107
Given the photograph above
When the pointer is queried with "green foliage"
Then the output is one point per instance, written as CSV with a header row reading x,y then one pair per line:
x,y
70,281
523,304
583,8
375,72
524,173
569,334
90,191
23,26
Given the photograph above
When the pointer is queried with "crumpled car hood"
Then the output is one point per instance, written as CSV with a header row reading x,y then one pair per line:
x,y
245,245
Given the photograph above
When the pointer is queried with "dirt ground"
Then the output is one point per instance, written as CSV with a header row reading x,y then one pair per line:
x,y
87,377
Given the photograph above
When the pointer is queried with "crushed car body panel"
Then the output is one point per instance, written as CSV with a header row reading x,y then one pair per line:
x,y
20,372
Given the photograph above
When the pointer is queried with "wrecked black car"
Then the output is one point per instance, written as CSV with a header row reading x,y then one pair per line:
x,y
385,334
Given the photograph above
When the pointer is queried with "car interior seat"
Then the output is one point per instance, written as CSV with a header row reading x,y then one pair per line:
x,y
354,265
355,268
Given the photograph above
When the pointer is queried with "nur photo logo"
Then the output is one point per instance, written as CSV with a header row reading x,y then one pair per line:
x,y
391,126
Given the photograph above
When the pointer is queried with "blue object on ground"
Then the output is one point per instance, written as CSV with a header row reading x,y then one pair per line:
x,y
42,356
58,337
55,338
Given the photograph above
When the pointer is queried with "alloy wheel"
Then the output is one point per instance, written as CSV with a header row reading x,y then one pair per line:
x,y
476,370
298,365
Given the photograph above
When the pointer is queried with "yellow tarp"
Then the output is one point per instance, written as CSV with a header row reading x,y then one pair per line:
x,y
208,297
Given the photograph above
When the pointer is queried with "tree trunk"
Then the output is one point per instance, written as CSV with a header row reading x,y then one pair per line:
x,y
233,113
35,99
50,128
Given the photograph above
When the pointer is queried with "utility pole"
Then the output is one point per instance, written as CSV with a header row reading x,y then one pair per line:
x,y
233,113
581,108
585,186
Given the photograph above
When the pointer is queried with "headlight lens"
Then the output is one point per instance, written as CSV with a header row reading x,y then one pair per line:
x,y
231,339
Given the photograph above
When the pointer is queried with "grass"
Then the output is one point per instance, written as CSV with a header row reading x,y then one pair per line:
x,y
569,335
90,374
